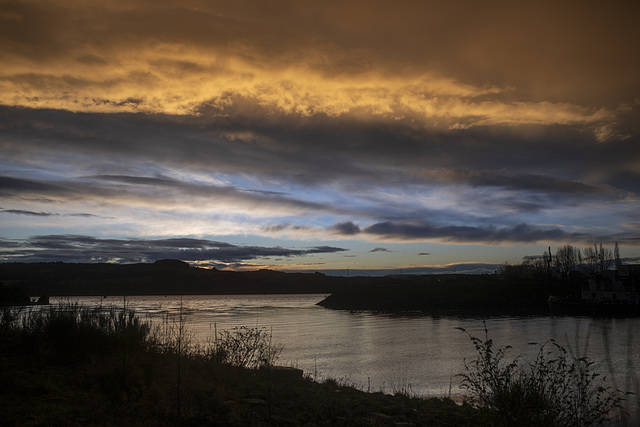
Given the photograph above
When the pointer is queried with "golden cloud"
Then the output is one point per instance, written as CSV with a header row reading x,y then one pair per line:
x,y
379,61
170,79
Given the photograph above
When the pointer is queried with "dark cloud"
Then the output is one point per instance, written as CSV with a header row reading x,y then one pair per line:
x,y
327,151
513,180
98,187
322,249
625,239
424,253
12,186
31,213
285,227
8,244
346,228
380,250
75,248
520,233
28,213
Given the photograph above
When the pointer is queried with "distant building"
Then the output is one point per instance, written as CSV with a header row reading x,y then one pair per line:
x,y
629,273
614,286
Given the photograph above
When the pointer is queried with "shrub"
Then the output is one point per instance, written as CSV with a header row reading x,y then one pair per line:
x,y
245,347
553,390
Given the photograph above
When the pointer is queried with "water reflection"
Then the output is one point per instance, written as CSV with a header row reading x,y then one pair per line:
x,y
420,355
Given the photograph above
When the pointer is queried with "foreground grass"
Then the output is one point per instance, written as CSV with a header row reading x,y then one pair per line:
x,y
68,365
74,366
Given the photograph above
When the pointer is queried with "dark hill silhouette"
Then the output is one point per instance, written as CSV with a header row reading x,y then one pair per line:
x,y
171,263
163,277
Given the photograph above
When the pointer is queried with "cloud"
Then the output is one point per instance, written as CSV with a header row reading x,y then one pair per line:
x,y
31,213
346,228
380,250
276,228
321,151
416,231
76,248
513,180
225,57
163,193
14,186
147,191
520,233
28,213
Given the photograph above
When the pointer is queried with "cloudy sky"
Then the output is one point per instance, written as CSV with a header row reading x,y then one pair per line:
x,y
318,135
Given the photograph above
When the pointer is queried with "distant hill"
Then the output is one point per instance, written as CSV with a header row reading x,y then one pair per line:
x,y
163,277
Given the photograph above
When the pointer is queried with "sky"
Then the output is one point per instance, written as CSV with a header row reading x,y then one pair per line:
x,y
369,136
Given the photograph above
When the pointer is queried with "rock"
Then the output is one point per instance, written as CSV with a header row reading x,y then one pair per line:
x,y
285,372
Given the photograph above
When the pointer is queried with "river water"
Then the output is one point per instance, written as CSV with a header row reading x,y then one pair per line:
x,y
419,355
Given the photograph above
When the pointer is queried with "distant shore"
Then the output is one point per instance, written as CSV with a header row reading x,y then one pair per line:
x,y
464,295
449,294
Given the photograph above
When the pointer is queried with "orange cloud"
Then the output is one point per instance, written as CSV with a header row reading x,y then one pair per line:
x,y
152,58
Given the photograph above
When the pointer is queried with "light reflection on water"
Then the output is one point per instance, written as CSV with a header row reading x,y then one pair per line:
x,y
419,355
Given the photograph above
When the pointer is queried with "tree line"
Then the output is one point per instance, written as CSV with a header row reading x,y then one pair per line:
x,y
566,259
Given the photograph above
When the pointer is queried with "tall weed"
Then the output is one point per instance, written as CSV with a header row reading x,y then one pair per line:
x,y
69,333
553,390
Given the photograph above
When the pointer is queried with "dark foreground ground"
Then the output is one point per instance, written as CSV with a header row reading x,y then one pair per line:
x,y
161,390
71,365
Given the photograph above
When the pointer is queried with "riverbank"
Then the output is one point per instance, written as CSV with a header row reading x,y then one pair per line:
x,y
460,295
210,395
72,366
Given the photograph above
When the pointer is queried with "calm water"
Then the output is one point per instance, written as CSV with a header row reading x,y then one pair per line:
x,y
419,355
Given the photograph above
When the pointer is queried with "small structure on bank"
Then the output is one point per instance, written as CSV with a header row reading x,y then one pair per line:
x,y
607,292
